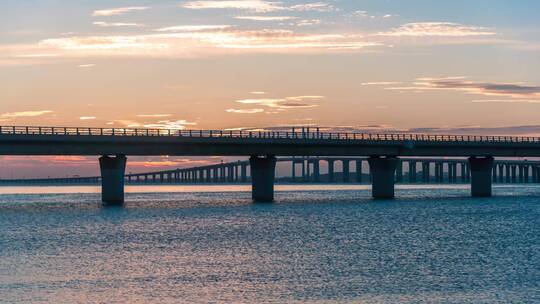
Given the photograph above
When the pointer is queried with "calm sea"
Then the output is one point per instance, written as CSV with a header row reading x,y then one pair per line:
x,y
316,244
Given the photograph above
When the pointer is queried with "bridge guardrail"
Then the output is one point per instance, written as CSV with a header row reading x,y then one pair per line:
x,y
79,131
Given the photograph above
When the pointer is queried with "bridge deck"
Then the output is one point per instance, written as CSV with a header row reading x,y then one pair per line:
x,y
146,142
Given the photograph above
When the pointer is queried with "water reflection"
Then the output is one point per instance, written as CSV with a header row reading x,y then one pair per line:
x,y
433,245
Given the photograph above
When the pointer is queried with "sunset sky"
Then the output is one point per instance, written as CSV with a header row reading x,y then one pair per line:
x,y
456,66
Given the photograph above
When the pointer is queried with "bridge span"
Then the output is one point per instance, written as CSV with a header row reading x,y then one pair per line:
x,y
383,151
353,170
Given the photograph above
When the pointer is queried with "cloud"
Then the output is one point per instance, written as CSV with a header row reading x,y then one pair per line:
x,y
512,91
154,115
437,29
480,88
25,114
118,11
50,55
308,22
117,24
380,83
299,98
87,65
167,162
258,93
162,124
193,28
189,42
317,6
265,18
252,5
292,102
260,6
245,111
366,15
506,101
87,117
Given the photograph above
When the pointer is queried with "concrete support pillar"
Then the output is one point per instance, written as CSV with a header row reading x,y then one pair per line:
x,y
521,174
481,170
399,172
243,173
293,171
500,167
359,171
231,173
508,177
113,170
454,173
463,172
412,172
222,175
383,171
213,175
514,176
316,171
439,172
208,177
346,171
425,172
526,173
330,170
263,170
304,171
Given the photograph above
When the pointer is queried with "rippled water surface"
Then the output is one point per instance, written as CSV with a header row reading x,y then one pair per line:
x,y
316,244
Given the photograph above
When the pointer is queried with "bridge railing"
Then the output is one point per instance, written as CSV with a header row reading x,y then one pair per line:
x,y
78,131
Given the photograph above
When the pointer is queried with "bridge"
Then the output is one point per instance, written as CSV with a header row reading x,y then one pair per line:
x,y
383,151
408,170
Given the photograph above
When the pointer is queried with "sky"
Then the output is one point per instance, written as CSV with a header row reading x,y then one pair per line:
x,y
459,67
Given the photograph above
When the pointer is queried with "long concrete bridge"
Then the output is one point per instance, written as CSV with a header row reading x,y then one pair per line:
x,y
408,170
262,147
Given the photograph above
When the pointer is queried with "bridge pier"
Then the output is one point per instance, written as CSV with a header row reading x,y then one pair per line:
x,y
330,170
316,171
346,171
399,172
243,173
425,172
359,171
481,176
383,171
112,179
412,172
263,171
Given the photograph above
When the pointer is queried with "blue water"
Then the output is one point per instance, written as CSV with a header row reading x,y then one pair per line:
x,y
210,244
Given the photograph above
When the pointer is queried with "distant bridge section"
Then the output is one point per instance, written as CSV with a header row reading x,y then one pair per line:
x,y
353,170
384,152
